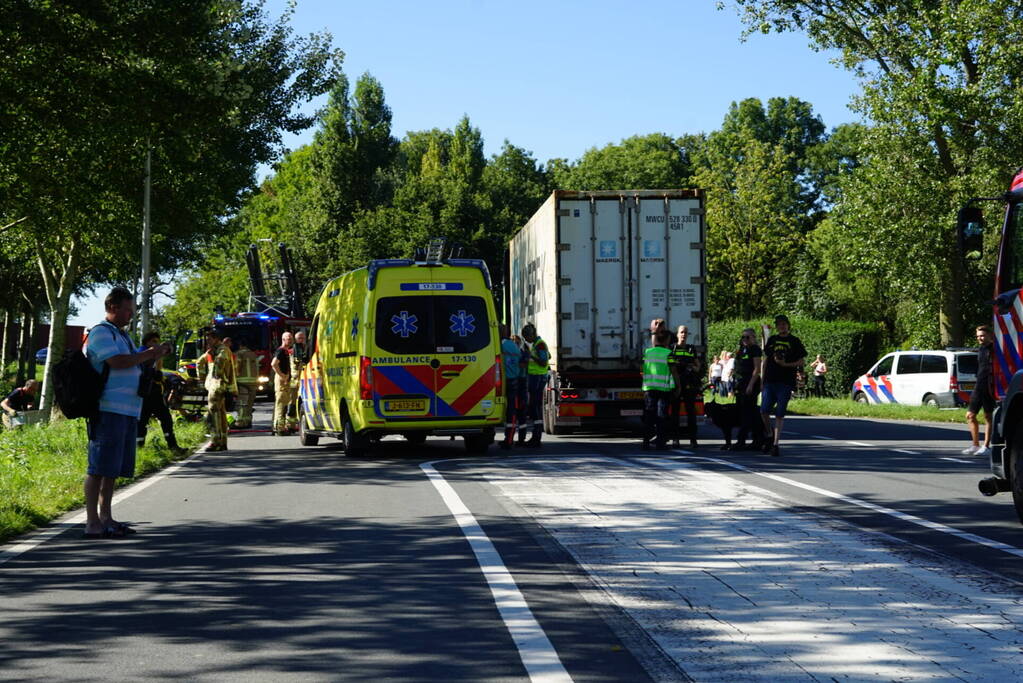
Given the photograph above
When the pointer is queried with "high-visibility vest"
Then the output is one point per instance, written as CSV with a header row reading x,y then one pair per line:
x,y
656,374
248,366
536,366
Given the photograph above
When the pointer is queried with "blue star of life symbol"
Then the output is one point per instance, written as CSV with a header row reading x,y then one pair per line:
x,y
462,324
404,324
355,325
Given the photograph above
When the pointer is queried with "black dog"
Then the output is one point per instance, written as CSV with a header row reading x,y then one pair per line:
x,y
725,417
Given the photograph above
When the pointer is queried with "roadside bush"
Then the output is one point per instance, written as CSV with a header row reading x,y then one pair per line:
x,y
848,348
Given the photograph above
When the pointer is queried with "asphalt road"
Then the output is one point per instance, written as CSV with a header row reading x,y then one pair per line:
x,y
271,561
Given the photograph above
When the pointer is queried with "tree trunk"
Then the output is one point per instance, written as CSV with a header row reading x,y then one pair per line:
x,y
23,349
33,323
950,314
5,352
59,285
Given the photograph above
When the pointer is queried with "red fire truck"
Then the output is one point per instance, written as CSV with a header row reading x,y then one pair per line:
x,y
275,304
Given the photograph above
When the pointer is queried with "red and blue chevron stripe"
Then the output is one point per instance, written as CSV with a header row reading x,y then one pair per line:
x,y
878,391
422,380
1008,347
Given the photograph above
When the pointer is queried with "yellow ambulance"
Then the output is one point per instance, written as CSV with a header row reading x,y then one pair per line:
x,y
407,347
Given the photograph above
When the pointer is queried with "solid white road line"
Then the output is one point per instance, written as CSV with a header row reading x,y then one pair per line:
x,y
905,517
860,443
38,539
535,649
901,450
968,462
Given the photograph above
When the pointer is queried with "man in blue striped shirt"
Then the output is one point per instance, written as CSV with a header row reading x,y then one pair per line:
x,y
112,432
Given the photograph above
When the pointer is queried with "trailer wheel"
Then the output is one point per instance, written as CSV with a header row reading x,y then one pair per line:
x,y
304,437
355,445
550,415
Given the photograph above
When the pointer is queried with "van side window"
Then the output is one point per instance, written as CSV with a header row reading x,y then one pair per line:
x,y
884,367
935,364
311,344
909,364
966,364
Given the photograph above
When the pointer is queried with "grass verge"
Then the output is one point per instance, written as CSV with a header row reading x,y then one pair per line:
x,y
886,411
844,407
42,468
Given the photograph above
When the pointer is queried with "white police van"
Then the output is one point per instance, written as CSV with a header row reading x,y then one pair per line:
x,y
936,378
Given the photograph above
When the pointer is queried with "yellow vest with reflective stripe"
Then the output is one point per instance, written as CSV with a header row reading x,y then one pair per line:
x,y
656,374
535,366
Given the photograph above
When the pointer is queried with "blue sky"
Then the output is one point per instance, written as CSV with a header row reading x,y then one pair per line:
x,y
561,76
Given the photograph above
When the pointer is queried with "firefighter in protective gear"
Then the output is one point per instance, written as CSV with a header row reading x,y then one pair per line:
x,y
687,370
298,360
283,398
220,381
247,366
658,385
536,382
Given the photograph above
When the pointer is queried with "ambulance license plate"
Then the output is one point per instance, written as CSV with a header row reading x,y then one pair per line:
x,y
966,386
405,406
630,395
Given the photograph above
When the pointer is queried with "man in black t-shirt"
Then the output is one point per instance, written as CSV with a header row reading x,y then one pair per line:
x,y
282,367
748,362
982,397
18,401
784,354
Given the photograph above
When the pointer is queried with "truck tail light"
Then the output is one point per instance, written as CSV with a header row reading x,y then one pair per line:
x,y
366,378
498,380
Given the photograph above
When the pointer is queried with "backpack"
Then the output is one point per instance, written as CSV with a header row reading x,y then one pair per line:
x,y
77,387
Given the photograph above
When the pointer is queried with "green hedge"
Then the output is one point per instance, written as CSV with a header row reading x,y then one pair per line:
x,y
848,348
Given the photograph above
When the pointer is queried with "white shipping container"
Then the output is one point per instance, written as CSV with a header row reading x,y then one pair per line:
x,y
592,269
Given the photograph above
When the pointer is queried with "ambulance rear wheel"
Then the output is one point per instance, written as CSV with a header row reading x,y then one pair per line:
x,y
415,438
477,444
304,437
355,445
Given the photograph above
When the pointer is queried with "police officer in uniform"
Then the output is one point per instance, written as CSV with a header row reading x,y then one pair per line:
x,y
748,361
687,371
536,382
220,381
247,365
657,385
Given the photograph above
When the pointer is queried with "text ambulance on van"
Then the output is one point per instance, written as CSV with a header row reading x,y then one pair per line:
x,y
404,347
